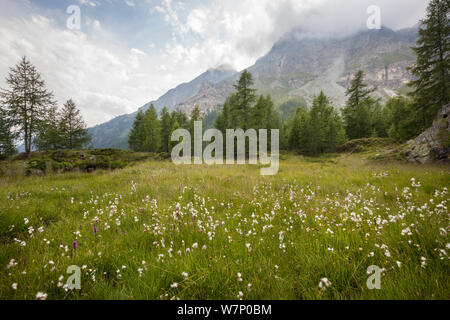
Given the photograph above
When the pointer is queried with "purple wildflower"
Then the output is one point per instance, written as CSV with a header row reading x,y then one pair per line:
x,y
95,230
75,245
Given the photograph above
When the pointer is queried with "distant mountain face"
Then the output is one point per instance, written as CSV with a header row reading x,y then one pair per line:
x,y
294,67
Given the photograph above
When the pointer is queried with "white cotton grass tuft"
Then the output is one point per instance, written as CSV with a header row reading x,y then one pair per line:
x,y
41,296
324,284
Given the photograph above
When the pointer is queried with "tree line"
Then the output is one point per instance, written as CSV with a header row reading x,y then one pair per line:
x,y
29,114
152,133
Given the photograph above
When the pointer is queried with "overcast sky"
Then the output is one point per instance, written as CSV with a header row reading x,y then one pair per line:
x,y
129,52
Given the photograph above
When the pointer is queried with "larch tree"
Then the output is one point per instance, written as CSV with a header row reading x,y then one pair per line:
x,y
27,101
73,128
137,135
244,98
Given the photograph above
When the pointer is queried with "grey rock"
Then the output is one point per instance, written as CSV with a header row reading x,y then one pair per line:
x,y
433,144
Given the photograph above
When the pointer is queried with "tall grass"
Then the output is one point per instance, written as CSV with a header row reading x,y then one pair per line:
x,y
225,232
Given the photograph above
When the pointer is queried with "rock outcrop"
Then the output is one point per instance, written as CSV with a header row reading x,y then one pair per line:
x,y
433,144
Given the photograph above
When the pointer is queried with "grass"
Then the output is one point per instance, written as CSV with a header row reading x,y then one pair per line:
x,y
199,226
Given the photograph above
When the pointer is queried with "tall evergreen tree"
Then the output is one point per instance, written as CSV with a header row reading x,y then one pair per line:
x,y
50,135
137,134
73,128
244,99
181,118
152,130
223,121
357,112
318,130
358,90
431,71
27,101
166,130
264,115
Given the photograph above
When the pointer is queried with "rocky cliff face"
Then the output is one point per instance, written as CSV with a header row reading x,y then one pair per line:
x,y
302,67
433,144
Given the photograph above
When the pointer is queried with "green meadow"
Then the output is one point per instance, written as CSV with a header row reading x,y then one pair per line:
x,y
154,230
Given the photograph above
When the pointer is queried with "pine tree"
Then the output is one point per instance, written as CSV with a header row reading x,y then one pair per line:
x,y
357,112
264,115
73,128
50,135
431,71
195,116
358,90
27,101
223,120
400,122
152,130
137,134
166,130
244,99
318,130
181,118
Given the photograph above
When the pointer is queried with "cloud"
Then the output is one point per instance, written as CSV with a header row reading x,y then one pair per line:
x,y
103,81
240,31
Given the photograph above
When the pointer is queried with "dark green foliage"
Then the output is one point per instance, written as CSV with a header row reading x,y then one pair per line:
x,y
264,115
431,70
62,130
137,134
362,114
223,121
152,129
49,136
318,130
209,118
241,112
166,130
146,133
243,101
73,128
46,162
399,115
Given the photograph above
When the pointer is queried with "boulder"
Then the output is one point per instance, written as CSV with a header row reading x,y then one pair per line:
x,y
434,143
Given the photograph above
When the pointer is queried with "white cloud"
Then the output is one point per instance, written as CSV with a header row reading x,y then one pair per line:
x,y
104,81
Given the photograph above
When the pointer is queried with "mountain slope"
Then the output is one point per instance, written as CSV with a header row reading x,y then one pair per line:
x,y
302,67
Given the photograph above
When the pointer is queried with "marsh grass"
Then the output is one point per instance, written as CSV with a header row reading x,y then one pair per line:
x,y
318,218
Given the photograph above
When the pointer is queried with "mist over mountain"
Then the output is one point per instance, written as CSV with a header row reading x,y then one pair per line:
x,y
296,66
